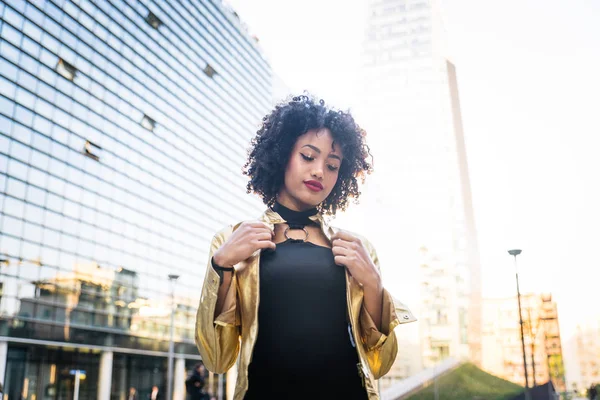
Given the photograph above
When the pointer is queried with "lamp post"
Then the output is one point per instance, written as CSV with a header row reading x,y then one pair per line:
x,y
533,331
172,279
515,253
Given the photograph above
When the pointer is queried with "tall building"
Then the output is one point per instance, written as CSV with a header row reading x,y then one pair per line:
x,y
411,111
552,342
502,347
123,128
583,368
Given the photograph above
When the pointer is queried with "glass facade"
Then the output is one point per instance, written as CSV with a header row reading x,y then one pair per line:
x,y
123,128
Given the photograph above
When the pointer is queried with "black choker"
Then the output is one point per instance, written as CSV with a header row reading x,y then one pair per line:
x,y
295,219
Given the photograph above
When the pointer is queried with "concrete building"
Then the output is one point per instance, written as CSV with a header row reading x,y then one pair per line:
x,y
123,128
584,356
502,348
412,114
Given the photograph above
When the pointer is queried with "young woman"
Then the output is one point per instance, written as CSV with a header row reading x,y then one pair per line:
x,y
302,301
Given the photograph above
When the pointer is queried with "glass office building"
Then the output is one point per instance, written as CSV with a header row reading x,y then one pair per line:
x,y
124,125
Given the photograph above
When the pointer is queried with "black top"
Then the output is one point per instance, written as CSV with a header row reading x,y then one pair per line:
x,y
304,349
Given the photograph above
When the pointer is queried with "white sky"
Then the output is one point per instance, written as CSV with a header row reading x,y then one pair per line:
x,y
529,82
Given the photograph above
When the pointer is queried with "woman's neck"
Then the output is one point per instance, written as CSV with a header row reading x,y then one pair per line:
x,y
293,217
294,205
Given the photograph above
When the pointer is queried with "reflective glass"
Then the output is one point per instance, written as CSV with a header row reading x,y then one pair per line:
x,y
152,195
6,106
41,142
17,169
11,34
4,143
10,225
15,188
47,75
36,177
25,98
20,151
14,207
8,70
36,196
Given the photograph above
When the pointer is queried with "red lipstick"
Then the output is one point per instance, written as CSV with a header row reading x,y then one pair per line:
x,y
315,186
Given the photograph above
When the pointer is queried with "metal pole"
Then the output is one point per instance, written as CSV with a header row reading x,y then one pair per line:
x,y
533,362
515,253
76,389
436,393
532,336
171,348
172,279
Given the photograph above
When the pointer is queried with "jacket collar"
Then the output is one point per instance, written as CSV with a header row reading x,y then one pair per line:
x,y
272,218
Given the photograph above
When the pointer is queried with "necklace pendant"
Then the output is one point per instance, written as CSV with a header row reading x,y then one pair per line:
x,y
285,233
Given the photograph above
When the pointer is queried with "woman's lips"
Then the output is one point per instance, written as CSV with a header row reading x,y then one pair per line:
x,y
314,186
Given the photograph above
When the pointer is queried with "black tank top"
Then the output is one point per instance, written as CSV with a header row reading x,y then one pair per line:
x,y
304,349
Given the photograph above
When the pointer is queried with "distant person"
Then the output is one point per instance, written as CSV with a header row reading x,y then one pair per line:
x,y
320,314
154,395
132,394
593,392
194,384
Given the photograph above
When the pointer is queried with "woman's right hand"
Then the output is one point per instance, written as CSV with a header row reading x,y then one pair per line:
x,y
247,238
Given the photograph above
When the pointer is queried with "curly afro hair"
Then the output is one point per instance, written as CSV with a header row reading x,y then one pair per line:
x,y
273,143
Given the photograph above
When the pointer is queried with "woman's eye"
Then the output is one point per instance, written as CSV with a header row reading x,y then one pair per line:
x,y
307,158
333,167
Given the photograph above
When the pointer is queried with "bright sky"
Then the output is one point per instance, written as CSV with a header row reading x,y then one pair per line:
x,y
529,82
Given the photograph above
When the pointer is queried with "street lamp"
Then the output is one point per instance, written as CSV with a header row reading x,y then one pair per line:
x,y
172,279
515,253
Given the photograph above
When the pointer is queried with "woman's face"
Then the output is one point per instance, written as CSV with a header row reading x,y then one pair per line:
x,y
312,171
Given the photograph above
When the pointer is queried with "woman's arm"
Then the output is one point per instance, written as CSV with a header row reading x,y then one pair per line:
x,y
217,334
352,252
373,301
218,320
379,314
224,286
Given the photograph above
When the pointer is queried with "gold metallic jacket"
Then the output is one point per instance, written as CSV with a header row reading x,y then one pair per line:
x,y
220,339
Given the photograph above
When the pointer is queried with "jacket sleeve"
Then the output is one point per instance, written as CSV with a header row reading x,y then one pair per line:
x,y
381,347
218,339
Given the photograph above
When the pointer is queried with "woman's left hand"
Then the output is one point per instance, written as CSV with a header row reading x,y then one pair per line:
x,y
349,251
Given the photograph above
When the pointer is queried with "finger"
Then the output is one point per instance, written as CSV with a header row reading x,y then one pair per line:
x,y
341,260
265,244
263,236
265,229
258,224
342,243
340,251
347,236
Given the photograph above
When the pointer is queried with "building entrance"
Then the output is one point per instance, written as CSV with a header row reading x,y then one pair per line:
x,y
41,373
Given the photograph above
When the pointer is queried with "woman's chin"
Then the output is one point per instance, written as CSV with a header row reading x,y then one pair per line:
x,y
312,203
309,201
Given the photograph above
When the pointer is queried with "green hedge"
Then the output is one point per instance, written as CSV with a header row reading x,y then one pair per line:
x,y
468,382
